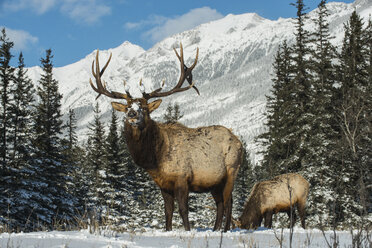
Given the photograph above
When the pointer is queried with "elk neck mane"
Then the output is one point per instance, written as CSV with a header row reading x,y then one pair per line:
x,y
143,144
146,144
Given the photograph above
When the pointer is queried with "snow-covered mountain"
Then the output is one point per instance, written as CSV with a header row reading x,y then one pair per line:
x,y
233,73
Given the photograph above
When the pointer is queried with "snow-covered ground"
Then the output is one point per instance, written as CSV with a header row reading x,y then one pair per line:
x,y
156,238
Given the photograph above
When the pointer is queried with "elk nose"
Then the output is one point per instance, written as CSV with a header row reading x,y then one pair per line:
x,y
132,114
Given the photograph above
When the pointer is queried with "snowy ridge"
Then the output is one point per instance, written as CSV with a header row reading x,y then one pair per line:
x,y
233,73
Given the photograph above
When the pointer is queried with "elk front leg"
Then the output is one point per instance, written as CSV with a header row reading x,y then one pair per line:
x,y
168,208
218,198
268,215
182,196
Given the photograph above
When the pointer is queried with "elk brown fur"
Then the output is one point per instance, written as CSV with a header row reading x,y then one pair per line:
x,y
273,196
179,159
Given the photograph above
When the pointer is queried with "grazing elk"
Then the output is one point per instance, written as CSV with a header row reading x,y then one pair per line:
x,y
179,159
273,196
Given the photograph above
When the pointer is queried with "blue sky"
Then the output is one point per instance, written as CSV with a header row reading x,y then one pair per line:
x,y
74,28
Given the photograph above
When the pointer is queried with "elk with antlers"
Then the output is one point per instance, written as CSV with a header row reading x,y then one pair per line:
x,y
179,159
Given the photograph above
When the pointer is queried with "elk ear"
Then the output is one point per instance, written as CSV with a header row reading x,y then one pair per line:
x,y
119,106
154,105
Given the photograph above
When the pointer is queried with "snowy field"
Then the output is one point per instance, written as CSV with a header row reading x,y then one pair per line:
x,y
156,238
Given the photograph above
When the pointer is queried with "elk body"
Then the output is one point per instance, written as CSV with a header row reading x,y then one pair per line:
x,y
273,196
179,159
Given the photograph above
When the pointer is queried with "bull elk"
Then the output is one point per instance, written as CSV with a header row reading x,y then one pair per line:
x,y
273,196
179,159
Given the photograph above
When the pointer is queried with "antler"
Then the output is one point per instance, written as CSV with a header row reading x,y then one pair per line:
x,y
185,74
102,88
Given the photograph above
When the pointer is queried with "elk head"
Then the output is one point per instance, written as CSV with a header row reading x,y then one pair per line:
x,y
138,110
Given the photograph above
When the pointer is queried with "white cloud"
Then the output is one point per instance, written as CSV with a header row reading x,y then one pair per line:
x,y
21,39
38,6
164,27
87,11
152,20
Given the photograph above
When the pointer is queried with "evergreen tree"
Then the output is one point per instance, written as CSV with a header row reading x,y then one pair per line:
x,y
96,163
319,159
278,146
129,184
115,173
354,104
173,113
6,82
243,183
367,178
21,113
298,115
74,158
52,172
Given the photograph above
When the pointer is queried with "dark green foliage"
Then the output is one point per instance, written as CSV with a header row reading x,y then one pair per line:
x,y
318,119
6,81
74,158
52,174
244,183
22,150
115,198
319,159
96,160
278,112
173,113
354,119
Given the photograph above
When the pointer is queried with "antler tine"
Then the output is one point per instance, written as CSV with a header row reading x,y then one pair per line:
x,y
101,87
186,73
196,59
185,69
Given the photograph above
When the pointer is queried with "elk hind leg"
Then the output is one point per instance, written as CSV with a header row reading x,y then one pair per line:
x,y
301,212
228,214
227,197
182,196
294,217
218,198
168,209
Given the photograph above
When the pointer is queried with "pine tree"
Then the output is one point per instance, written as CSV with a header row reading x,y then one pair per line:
x,y
115,173
21,113
320,164
129,184
48,126
96,163
173,113
298,115
243,183
74,158
367,158
278,146
6,82
354,104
